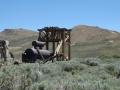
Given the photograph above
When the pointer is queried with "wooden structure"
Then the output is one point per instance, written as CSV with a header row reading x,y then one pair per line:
x,y
58,37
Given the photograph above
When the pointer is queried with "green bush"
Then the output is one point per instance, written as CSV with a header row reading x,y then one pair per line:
x,y
37,86
110,69
90,63
115,56
103,56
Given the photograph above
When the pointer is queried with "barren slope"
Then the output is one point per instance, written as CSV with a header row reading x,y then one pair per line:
x,y
16,34
84,33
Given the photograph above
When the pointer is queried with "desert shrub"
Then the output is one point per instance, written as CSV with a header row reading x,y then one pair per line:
x,y
76,74
110,69
103,56
77,87
46,70
72,65
97,85
18,77
118,74
115,56
113,83
37,86
68,68
90,62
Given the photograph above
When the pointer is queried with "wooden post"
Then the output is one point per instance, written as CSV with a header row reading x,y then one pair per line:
x,y
47,48
63,44
47,43
39,36
53,47
57,45
69,47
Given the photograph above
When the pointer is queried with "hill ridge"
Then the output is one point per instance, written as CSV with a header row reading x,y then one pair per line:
x,y
83,33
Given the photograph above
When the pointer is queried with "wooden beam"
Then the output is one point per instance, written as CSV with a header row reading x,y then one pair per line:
x,y
47,46
53,47
52,40
69,47
47,43
67,43
63,44
39,38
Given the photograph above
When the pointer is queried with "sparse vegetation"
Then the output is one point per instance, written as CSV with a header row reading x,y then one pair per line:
x,y
115,56
76,74
104,56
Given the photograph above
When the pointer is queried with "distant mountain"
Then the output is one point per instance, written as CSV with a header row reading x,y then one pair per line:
x,y
90,41
16,34
83,33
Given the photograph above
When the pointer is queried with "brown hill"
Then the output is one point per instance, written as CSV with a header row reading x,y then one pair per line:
x,y
20,39
80,33
16,34
89,41
83,33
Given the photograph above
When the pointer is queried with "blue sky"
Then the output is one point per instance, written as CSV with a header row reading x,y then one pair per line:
x,y
35,14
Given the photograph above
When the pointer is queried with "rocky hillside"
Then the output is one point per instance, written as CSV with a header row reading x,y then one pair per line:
x,y
16,34
83,33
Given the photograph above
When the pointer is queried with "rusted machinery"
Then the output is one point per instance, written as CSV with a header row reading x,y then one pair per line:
x,y
47,35
32,54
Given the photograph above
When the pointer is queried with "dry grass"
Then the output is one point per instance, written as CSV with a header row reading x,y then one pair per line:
x,y
84,33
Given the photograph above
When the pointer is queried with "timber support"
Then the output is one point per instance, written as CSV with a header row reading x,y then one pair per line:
x,y
56,38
